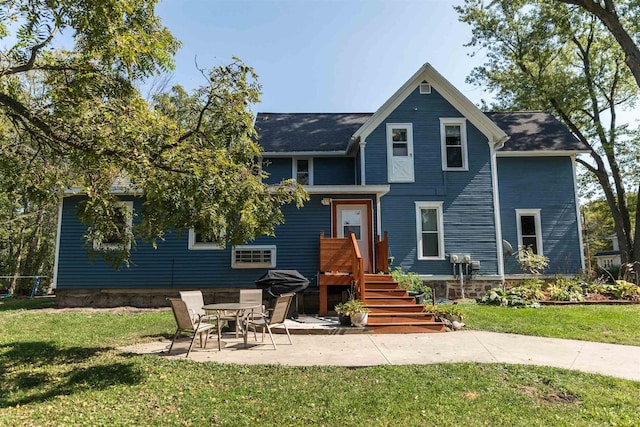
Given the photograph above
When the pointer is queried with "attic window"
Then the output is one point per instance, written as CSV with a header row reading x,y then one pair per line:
x,y
425,88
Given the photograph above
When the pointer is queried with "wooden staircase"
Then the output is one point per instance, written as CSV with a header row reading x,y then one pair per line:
x,y
393,311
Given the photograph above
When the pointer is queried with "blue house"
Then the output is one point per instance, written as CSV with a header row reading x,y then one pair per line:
x,y
447,183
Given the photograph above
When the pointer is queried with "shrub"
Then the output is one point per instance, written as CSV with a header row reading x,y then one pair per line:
x,y
526,294
564,289
410,281
531,263
443,310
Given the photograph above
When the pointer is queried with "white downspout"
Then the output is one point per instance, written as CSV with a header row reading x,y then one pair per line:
x,y
363,179
54,280
578,216
496,211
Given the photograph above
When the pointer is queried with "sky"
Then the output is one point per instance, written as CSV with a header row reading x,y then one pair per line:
x,y
322,55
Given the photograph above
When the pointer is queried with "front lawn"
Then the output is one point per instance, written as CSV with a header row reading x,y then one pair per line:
x,y
62,368
616,324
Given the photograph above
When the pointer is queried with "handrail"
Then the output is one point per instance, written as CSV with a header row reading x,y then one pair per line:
x,y
358,268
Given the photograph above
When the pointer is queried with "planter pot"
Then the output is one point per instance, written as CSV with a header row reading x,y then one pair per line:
x,y
418,295
359,319
344,320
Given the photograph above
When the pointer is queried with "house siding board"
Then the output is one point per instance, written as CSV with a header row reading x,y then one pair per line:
x,y
333,171
278,169
525,183
173,265
468,216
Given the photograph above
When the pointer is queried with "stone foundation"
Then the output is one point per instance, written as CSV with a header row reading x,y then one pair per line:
x,y
142,298
473,289
307,302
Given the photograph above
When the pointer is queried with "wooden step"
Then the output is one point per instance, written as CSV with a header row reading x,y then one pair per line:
x,y
388,300
396,308
378,277
386,293
376,318
381,285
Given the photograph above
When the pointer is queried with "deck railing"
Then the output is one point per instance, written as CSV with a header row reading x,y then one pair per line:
x,y
382,254
357,268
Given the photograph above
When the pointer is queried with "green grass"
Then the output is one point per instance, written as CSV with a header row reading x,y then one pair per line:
x,y
63,368
616,324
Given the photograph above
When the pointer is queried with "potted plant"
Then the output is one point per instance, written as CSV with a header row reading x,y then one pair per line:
x,y
413,284
356,310
343,317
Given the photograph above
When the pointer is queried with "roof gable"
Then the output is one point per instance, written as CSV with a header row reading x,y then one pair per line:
x,y
494,134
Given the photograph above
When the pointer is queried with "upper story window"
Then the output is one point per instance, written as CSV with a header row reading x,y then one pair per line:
x,y
400,152
303,171
430,230
122,220
453,134
197,241
529,229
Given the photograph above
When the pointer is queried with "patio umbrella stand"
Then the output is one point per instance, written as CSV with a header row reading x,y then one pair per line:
x,y
278,282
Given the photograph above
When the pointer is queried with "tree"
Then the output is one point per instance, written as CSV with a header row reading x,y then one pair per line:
x,y
543,55
74,119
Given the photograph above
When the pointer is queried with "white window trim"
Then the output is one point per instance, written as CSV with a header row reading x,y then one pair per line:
x,y
117,246
536,214
462,122
294,168
425,88
201,246
409,128
271,248
438,207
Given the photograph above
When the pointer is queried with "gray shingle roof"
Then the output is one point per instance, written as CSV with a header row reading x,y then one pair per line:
x,y
535,131
318,132
299,132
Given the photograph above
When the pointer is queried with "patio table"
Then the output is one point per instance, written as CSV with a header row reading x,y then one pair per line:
x,y
238,307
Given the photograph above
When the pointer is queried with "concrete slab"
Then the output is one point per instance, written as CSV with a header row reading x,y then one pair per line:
x,y
401,349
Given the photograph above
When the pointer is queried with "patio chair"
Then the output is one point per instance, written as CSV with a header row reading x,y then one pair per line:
x,y
277,318
194,301
186,323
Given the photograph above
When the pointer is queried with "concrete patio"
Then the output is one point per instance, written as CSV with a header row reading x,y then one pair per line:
x,y
320,341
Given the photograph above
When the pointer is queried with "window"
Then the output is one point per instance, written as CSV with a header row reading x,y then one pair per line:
x,y
453,134
122,220
253,257
400,152
425,88
430,230
198,242
303,171
529,229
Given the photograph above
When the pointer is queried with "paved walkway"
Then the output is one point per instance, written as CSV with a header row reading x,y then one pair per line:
x,y
402,349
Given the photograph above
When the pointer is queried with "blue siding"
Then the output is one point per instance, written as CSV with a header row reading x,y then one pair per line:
x,y
333,171
326,170
544,183
467,196
278,169
173,265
